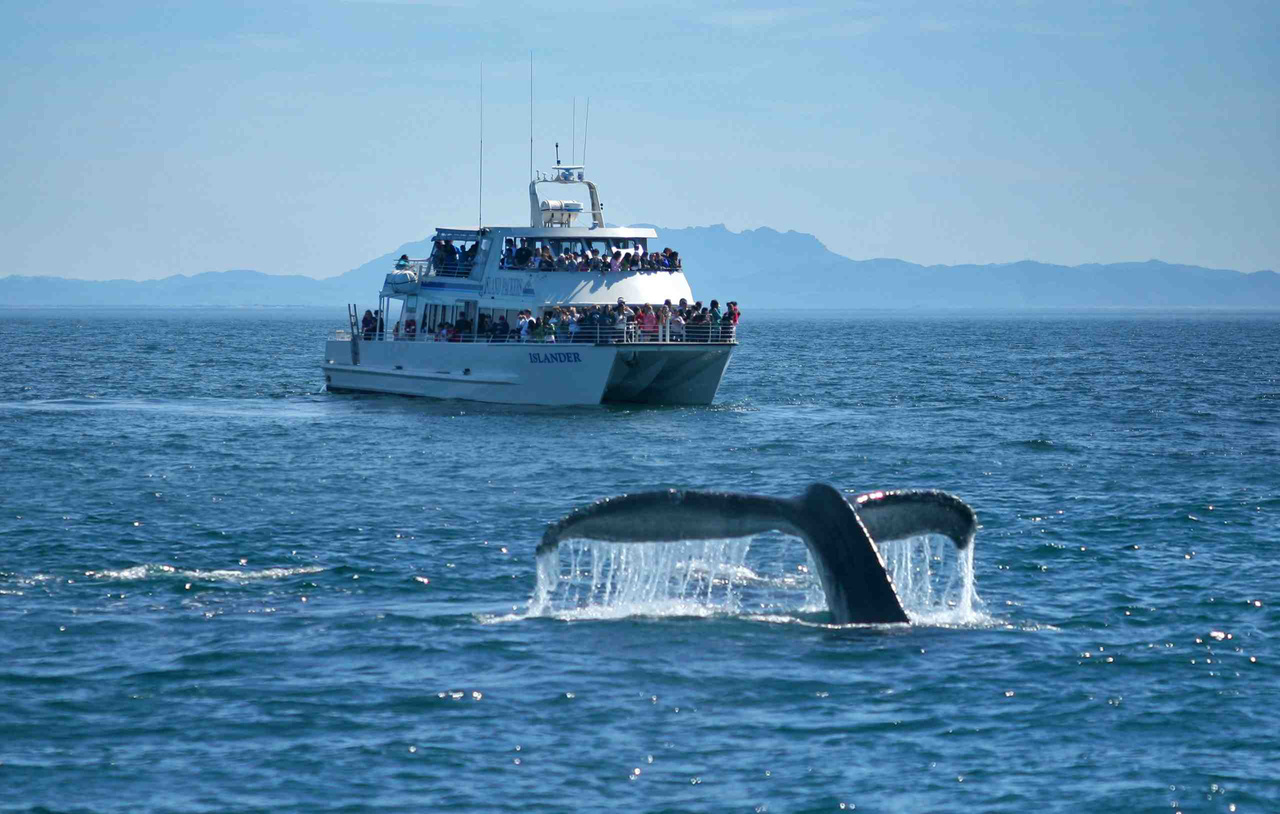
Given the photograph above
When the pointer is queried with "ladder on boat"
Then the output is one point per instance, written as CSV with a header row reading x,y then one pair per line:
x,y
353,316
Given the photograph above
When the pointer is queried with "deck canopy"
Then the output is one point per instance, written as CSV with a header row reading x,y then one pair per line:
x,y
460,234
572,232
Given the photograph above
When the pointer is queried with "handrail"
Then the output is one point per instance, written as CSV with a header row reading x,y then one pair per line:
x,y
703,334
602,269
428,268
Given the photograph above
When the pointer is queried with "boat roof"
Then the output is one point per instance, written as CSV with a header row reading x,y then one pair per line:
x,y
553,232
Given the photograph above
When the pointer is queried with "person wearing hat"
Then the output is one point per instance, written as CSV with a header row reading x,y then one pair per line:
x,y
620,321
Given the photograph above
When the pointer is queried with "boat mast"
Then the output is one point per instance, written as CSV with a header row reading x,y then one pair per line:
x,y
530,115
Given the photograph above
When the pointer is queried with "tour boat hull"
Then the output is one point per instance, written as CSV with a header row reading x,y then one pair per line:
x,y
530,373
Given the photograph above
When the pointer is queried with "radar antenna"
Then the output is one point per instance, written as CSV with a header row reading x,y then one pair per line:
x,y
585,126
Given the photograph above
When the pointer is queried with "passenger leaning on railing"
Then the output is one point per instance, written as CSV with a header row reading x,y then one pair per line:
x,y
649,323
463,325
501,329
677,326
729,324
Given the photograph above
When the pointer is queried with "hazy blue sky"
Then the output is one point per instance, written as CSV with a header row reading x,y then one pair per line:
x,y
146,139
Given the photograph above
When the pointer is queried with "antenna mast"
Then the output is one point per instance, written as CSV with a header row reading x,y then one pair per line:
x,y
574,150
531,115
480,223
586,125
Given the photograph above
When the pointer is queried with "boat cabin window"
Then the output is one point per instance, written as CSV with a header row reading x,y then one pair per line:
x,y
434,315
455,250
560,246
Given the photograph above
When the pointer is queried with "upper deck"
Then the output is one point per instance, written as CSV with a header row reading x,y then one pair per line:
x,y
552,261
486,266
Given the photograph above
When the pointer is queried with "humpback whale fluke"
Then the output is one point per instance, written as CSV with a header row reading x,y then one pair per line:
x,y
840,532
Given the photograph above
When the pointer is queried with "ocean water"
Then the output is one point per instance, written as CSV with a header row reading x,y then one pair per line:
x,y
223,589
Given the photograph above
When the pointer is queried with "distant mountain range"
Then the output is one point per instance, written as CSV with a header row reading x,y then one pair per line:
x,y
760,268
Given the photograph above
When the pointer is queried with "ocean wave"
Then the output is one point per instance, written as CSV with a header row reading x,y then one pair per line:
x,y
161,570
692,610
226,407
1040,445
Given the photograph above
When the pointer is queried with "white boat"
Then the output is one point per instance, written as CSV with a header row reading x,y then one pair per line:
x,y
475,288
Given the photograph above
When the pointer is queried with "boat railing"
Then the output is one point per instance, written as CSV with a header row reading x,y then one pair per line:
x,y
588,335
534,265
456,268
426,267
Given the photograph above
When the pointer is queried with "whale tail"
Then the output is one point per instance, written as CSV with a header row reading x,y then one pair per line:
x,y
902,513
839,532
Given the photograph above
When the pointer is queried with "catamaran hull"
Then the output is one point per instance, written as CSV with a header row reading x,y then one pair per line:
x,y
530,373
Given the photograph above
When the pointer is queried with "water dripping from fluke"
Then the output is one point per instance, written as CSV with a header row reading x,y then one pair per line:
x,y
871,558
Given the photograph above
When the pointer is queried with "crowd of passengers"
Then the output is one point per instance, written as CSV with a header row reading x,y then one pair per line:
x,y
543,259
593,323
445,255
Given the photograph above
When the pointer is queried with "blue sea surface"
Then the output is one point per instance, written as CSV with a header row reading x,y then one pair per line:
x,y
224,589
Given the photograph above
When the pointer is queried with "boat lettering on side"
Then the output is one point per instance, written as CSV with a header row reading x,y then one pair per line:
x,y
504,286
554,358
